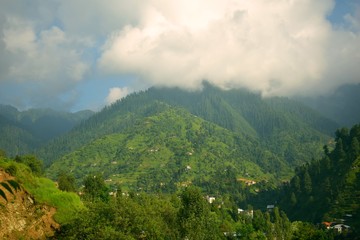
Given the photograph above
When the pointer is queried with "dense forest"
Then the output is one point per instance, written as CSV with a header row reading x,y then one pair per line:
x,y
328,189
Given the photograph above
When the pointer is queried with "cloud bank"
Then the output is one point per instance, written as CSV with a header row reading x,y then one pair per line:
x,y
276,47
49,49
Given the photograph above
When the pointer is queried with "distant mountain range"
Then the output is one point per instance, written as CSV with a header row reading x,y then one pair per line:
x,y
23,131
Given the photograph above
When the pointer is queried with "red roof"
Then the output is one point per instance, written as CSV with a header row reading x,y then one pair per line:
x,y
327,224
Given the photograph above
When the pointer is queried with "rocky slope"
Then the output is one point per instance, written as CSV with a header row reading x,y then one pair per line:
x,y
20,216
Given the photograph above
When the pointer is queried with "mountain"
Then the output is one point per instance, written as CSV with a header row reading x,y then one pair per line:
x,y
23,131
168,137
342,105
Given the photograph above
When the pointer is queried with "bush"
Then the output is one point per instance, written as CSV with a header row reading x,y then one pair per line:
x,y
11,169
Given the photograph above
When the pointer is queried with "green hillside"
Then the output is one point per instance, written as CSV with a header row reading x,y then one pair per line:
x,y
161,139
279,124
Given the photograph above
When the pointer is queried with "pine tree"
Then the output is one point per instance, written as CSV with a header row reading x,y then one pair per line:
x,y
355,148
307,185
339,151
295,184
293,200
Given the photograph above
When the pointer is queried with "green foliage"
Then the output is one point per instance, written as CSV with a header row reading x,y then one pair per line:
x,y
11,169
136,217
33,162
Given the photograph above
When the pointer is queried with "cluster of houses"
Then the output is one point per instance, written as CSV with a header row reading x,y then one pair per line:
x,y
339,227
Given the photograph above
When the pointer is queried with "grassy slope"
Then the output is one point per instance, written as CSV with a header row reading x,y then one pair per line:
x,y
161,146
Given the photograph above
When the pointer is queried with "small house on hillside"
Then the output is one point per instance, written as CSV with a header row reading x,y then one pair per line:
x,y
210,199
340,227
270,207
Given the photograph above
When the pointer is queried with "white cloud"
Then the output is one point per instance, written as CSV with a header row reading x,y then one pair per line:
x,y
116,93
276,47
49,57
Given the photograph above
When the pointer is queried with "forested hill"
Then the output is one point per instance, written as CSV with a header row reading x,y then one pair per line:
x,y
23,131
328,189
235,128
15,139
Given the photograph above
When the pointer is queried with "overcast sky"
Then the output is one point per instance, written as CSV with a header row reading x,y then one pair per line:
x,y
77,54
